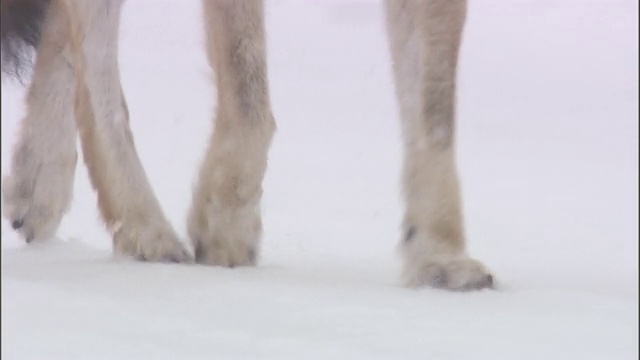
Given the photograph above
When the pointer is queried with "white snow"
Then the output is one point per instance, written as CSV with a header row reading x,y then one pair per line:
x,y
548,154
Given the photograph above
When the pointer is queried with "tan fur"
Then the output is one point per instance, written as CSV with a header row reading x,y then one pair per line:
x,y
224,223
424,39
126,201
39,188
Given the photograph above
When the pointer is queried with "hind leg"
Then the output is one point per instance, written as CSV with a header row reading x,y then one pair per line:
x,y
38,189
425,38
126,200
224,222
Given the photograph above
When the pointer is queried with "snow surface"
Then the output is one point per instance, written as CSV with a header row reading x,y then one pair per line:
x,y
548,154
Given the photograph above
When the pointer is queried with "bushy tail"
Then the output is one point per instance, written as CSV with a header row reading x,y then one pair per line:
x,y
21,26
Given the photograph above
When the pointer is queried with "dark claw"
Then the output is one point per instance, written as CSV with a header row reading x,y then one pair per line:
x,y
29,239
486,284
252,256
17,224
489,281
172,259
199,252
441,280
411,232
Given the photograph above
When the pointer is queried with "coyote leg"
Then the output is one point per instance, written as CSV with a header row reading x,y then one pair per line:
x,y
224,222
39,187
425,38
126,201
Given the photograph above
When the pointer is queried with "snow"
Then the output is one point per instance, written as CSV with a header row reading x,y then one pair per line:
x,y
547,150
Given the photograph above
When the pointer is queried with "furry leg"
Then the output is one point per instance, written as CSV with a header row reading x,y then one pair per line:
x,y
224,222
38,190
425,38
126,200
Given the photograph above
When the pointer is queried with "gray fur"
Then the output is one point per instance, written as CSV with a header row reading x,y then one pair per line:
x,y
21,27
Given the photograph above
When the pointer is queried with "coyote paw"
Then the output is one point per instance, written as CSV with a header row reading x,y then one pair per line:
x,y
151,243
228,238
459,273
36,196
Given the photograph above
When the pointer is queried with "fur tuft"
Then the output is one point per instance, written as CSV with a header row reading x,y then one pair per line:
x,y
21,26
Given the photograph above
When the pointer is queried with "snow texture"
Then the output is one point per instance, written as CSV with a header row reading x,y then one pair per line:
x,y
548,156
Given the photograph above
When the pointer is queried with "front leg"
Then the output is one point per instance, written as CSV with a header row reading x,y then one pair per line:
x,y
224,222
425,38
126,200
38,190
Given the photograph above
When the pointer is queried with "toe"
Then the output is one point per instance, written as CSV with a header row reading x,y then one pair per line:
x,y
17,224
